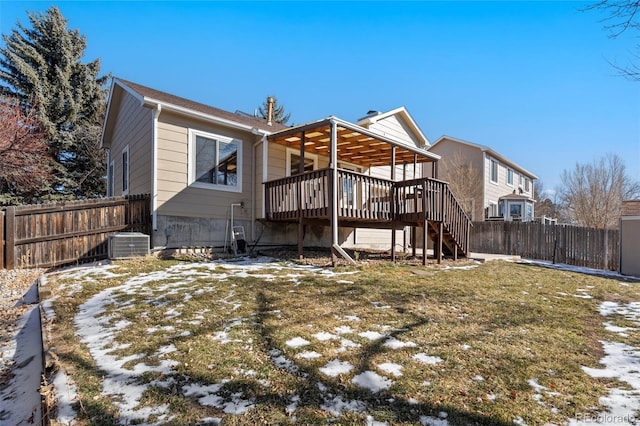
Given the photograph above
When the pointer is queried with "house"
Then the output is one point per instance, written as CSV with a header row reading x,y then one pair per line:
x,y
504,190
328,183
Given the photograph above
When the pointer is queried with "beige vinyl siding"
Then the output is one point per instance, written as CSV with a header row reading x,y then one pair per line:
x,y
175,196
448,150
493,190
132,128
397,129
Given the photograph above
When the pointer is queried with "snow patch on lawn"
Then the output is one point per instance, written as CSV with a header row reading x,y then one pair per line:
x,y
391,368
427,359
621,362
297,342
372,381
394,343
336,367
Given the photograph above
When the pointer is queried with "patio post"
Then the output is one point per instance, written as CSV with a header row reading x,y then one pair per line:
x,y
333,194
414,228
392,201
300,199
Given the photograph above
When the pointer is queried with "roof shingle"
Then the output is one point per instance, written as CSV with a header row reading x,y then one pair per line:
x,y
148,92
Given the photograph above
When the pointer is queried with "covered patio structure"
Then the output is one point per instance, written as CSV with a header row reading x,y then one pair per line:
x,y
336,197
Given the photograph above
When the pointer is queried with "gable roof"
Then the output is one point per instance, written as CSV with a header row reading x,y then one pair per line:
x,y
403,114
151,97
487,150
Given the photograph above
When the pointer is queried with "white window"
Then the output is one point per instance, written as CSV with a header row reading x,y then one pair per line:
x,y
494,171
293,161
125,170
509,176
110,179
215,162
492,209
527,182
521,180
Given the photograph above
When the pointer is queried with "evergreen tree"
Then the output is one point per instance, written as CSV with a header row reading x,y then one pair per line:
x,y
42,67
279,113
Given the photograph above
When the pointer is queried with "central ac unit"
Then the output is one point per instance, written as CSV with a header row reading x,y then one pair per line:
x,y
125,245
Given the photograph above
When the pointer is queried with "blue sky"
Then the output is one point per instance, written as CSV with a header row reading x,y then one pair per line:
x,y
532,80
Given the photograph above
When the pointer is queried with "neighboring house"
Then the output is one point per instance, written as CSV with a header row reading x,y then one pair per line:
x,y
505,189
208,170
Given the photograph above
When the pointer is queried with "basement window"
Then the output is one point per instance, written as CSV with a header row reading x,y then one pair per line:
x,y
215,162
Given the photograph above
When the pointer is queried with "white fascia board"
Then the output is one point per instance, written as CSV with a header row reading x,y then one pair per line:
x,y
402,111
208,117
106,116
129,90
385,138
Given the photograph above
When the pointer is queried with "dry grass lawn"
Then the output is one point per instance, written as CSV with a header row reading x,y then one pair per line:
x,y
285,344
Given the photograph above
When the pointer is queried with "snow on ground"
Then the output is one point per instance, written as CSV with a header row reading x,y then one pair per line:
x,y
17,403
97,329
621,361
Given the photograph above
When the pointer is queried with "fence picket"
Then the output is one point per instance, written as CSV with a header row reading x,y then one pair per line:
x,y
589,247
45,235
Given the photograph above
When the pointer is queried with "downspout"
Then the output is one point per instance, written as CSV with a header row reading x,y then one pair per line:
x,y
254,180
154,168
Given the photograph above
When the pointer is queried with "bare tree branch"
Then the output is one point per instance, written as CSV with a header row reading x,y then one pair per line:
x,y
621,15
592,194
25,166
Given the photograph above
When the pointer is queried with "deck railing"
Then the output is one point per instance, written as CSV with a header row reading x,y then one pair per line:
x,y
306,195
367,198
432,199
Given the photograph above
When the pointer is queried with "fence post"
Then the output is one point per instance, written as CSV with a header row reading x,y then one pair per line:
x,y
10,238
2,242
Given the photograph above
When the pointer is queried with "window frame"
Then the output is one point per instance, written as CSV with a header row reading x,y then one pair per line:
x,y
191,161
492,205
492,162
509,176
307,155
126,170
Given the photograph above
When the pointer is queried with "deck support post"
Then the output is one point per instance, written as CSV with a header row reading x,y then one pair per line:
x,y
392,204
300,200
333,194
414,239
424,241
439,245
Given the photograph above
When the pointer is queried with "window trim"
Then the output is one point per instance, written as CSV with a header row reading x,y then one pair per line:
x,y
126,170
490,204
509,175
307,155
191,166
493,161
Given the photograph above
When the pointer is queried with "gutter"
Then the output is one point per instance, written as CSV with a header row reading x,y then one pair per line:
x,y
254,178
150,102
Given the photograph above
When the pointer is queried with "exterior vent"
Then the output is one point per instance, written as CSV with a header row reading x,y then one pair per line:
x,y
125,245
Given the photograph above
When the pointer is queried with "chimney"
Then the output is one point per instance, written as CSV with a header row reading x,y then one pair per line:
x,y
270,102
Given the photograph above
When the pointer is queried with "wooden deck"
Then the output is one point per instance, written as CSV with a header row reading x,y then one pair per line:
x,y
365,201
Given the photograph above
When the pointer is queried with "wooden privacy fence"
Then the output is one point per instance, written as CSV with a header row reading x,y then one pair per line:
x,y
573,245
46,235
